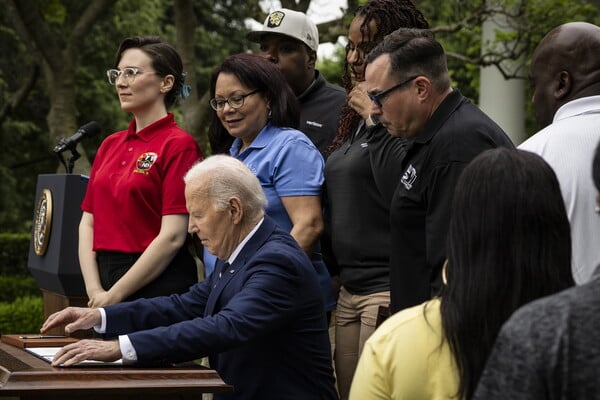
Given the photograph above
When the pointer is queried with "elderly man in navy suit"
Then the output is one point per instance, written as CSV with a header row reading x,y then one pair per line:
x,y
259,317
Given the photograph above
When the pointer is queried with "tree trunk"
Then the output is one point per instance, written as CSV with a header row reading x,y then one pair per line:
x,y
195,107
59,57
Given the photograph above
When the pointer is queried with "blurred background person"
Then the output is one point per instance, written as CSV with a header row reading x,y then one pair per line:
x,y
508,244
549,349
134,223
361,174
253,104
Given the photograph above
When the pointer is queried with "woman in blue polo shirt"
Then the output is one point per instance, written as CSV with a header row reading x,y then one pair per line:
x,y
255,113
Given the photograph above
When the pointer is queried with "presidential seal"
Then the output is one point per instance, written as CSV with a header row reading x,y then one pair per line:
x,y
42,222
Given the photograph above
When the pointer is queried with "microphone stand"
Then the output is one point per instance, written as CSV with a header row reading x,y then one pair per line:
x,y
71,161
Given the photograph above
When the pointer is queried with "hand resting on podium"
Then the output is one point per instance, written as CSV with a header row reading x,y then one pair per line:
x,y
78,318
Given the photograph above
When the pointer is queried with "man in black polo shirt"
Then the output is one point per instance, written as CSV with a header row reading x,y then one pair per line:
x,y
290,40
407,79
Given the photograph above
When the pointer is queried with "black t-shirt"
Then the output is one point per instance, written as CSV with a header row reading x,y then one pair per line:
x,y
360,178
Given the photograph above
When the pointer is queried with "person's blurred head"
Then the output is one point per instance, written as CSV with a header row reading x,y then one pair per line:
x,y
509,242
289,39
224,200
565,66
247,91
407,77
371,23
147,67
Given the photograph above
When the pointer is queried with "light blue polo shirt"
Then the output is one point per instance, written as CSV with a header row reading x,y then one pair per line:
x,y
286,163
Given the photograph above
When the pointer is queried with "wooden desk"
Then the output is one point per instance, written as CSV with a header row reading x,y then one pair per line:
x,y
25,376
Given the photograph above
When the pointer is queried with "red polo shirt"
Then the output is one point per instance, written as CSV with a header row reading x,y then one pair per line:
x,y
136,178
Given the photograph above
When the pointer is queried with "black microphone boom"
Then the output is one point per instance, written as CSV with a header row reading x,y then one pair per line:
x,y
88,130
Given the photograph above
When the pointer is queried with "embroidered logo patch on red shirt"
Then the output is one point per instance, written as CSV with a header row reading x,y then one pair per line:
x,y
145,162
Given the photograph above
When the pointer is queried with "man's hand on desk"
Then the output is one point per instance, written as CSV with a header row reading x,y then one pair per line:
x,y
83,350
74,319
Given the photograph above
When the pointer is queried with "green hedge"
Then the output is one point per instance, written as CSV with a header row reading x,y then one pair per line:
x,y
21,306
14,250
24,315
13,287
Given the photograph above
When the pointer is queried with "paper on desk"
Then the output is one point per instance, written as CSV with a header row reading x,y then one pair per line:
x,y
48,353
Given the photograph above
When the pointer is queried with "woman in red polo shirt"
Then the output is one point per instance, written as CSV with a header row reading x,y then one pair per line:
x,y
134,224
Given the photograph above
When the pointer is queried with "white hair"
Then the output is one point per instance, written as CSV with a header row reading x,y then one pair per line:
x,y
221,177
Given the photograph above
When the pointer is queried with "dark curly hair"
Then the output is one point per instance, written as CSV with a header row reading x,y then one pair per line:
x,y
388,16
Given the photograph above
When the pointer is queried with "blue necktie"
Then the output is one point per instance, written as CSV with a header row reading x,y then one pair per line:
x,y
223,269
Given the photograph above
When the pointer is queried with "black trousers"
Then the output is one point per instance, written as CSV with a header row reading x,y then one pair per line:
x,y
179,275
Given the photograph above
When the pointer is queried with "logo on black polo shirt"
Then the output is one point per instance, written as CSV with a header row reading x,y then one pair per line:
x,y
144,162
409,177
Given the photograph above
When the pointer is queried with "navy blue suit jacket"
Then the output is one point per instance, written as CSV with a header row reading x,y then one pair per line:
x,y
262,323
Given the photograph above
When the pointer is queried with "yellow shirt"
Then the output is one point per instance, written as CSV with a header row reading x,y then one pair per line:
x,y
406,359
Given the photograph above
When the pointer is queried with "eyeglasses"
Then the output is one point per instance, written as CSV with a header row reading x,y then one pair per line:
x,y
377,98
128,73
235,101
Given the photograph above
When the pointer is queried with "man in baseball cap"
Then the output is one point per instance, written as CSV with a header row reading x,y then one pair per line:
x,y
290,40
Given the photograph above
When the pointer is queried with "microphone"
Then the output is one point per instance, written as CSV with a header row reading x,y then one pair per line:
x,y
90,129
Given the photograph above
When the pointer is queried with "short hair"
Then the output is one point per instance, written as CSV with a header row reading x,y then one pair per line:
x,y
509,242
596,168
255,72
414,52
388,15
221,177
165,61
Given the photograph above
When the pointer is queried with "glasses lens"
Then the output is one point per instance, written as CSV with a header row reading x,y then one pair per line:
x,y
129,74
375,100
112,75
236,101
214,104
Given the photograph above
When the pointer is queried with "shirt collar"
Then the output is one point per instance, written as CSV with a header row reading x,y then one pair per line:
x,y
155,128
240,246
584,105
260,141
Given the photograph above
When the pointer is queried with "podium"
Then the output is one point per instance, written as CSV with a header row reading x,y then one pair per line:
x,y
24,376
53,251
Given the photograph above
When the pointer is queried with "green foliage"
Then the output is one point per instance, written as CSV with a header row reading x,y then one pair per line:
x,y
14,248
333,68
24,315
13,287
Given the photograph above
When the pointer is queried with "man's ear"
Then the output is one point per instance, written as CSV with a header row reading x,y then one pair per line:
x,y
563,85
312,59
236,210
423,88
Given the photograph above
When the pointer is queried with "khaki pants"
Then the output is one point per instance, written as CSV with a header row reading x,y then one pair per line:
x,y
356,316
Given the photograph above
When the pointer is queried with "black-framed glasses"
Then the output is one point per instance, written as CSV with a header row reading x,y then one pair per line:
x,y
128,73
235,101
377,98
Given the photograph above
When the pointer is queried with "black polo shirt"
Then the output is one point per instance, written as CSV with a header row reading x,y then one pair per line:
x,y
420,211
320,108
